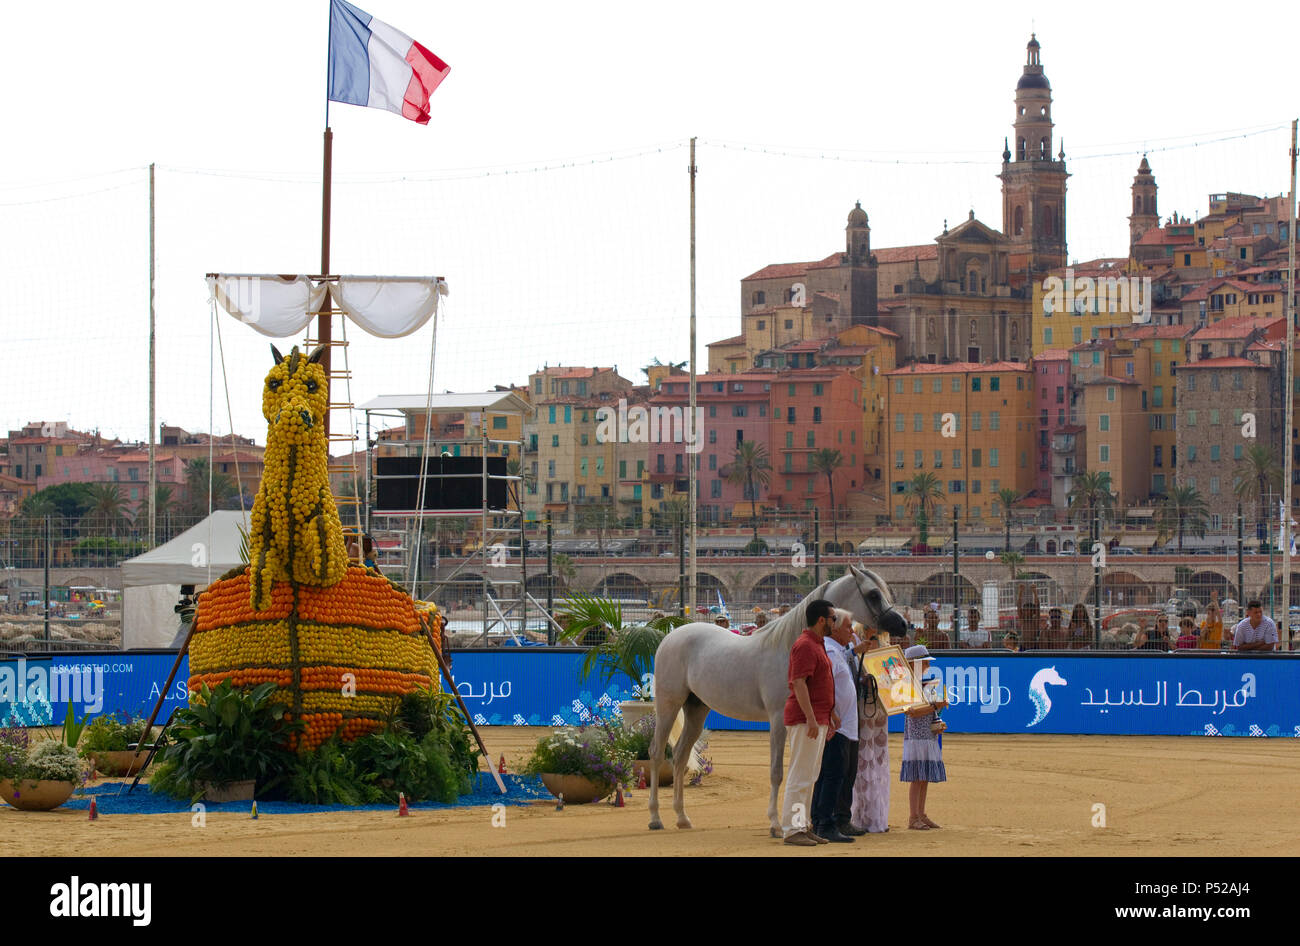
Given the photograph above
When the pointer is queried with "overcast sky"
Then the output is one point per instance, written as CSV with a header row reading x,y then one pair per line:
x,y
550,189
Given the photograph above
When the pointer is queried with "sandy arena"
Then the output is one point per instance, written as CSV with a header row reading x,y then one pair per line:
x,y
1007,795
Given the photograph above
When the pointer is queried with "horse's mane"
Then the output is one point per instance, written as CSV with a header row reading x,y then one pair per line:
x,y
782,631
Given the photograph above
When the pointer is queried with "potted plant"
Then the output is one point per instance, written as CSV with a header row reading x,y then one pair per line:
x,y
582,764
635,739
107,740
228,744
626,649
40,776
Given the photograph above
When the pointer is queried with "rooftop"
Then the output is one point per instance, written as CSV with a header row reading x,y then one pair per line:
x,y
960,367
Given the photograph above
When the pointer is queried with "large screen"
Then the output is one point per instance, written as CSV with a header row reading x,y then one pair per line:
x,y
451,483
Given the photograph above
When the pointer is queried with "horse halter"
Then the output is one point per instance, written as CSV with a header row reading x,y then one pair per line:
x,y
863,595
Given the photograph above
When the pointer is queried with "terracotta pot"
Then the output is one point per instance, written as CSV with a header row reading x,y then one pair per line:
x,y
643,765
576,789
38,795
120,763
635,710
228,791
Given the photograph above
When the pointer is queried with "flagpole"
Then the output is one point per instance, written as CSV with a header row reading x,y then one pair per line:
x,y
1284,635
690,425
324,328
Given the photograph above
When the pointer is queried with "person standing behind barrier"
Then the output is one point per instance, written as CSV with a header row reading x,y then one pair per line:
x,y
1212,627
870,811
1256,631
809,711
835,756
1079,633
1187,639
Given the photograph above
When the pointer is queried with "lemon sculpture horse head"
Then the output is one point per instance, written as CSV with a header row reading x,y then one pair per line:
x,y
295,533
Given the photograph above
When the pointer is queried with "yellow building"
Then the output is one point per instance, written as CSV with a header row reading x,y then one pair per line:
x,y
1076,303
1117,436
969,425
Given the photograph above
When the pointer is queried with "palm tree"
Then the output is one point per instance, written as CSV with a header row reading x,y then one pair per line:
x,y
1012,560
827,460
923,491
1257,473
196,486
615,647
1093,495
1182,510
750,468
1008,498
108,508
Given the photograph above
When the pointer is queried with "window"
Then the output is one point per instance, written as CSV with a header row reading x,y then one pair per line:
x,y
713,436
762,325
1103,453
916,385
975,456
995,420
817,415
1159,459
975,383
1191,453
1078,334
812,438
568,414
898,460
1236,386
555,440
739,410
937,386
1237,452
993,456
622,469
1214,452
955,486
1047,336
938,421
917,423
1110,393
715,489
938,459
1191,417
583,439
956,459
898,385
898,423
1214,417
550,419
789,324
1214,381
956,385
975,488
918,459
659,464
1158,396
1190,381
678,464
582,466
789,415
600,466
975,420
1103,422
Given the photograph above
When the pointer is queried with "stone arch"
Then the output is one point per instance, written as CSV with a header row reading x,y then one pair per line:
x,y
1202,583
774,589
621,586
707,587
536,585
1277,598
1049,589
938,587
1125,589
466,588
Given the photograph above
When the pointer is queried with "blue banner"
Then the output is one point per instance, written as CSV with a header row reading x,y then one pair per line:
x,y
1128,694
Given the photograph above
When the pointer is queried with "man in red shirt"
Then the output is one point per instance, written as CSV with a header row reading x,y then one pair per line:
x,y
809,711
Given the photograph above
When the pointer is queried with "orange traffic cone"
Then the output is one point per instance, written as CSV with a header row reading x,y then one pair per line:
x,y
559,805
618,800
402,810
640,783
501,766
94,810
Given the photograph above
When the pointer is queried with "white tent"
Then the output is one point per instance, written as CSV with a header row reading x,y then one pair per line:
x,y
152,582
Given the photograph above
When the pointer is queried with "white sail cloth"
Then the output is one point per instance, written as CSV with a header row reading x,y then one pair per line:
x,y
280,306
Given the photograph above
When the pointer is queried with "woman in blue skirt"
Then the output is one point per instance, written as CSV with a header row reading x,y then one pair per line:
x,y
922,750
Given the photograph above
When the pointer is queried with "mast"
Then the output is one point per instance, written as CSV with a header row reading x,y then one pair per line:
x,y
323,324
690,424
1288,446
153,428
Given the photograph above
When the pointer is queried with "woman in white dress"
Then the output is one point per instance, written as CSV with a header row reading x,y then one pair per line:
x,y
871,787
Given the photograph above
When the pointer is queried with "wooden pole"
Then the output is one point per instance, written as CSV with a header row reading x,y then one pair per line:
x,y
690,426
1288,444
162,695
324,329
153,429
446,672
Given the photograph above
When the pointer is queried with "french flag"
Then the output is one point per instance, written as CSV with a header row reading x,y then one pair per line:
x,y
376,66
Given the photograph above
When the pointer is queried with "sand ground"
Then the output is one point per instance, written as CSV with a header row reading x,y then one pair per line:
x,y
1006,795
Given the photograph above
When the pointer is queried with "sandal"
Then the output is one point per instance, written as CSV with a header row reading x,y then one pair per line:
x,y
928,822
918,825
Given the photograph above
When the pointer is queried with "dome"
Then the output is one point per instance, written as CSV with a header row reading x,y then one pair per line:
x,y
1144,168
857,216
1033,80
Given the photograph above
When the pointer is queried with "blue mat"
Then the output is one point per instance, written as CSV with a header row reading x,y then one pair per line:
x,y
112,799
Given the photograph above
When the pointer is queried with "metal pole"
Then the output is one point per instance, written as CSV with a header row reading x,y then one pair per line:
x,y
817,548
483,528
1272,614
956,588
550,583
1288,442
324,329
47,579
690,425
1241,566
1096,576
153,430
681,565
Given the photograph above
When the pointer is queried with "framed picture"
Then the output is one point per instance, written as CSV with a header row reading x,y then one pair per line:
x,y
894,681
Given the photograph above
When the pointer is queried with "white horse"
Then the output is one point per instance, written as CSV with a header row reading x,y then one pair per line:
x,y
699,667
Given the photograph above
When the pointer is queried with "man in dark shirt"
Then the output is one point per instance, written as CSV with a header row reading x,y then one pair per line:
x,y
809,710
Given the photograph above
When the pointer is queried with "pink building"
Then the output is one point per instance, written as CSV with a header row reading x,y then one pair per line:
x,y
1051,372
733,408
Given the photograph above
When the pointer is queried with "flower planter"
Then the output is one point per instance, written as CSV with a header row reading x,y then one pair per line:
x,y
635,710
121,763
576,789
40,795
228,791
643,765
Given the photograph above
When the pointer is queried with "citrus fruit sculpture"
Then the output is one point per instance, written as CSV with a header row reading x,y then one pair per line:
x,y
341,641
